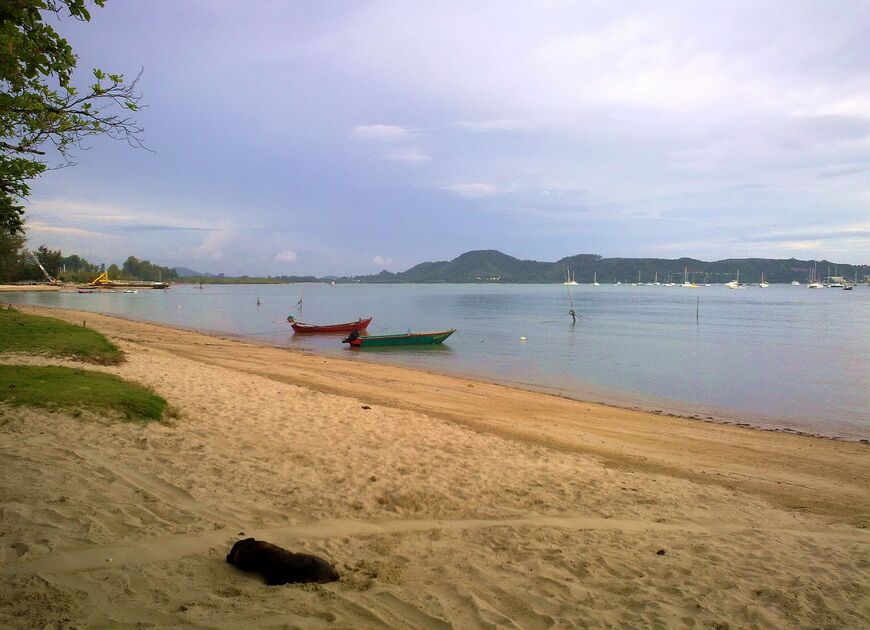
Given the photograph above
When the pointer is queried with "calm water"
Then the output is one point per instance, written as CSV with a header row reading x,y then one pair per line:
x,y
784,357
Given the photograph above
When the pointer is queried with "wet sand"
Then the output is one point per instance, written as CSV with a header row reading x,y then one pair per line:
x,y
442,501
10,288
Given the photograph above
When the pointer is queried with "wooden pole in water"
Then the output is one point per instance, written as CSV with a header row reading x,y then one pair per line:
x,y
698,309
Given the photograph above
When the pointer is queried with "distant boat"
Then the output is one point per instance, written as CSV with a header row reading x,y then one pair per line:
x,y
795,283
569,278
686,284
347,327
814,281
404,339
735,284
835,281
763,284
595,279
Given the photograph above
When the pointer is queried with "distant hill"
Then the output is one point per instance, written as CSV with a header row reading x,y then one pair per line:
x,y
494,266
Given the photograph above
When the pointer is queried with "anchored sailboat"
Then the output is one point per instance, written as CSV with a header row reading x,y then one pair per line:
x,y
735,284
569,278
686,284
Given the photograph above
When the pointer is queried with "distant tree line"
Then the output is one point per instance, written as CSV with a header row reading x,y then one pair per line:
x,y
17,264
222,279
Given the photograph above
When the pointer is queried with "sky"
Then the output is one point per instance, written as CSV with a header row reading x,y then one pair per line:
x,y
291,138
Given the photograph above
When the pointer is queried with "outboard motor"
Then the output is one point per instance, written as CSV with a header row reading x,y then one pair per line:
x,y
351,337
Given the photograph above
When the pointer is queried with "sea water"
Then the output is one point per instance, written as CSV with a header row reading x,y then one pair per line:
x,y
781,357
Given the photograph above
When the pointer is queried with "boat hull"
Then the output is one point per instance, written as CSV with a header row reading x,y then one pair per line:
x,y
406,339
347,327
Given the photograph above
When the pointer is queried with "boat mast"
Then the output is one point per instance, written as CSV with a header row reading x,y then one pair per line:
x,y
571,310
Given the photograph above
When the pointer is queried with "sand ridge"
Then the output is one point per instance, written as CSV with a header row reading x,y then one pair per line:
x,y
437,513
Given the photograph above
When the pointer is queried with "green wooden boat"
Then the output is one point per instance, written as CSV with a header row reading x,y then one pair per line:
x,y
405,339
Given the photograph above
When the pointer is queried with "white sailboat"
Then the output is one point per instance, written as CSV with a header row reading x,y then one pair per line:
x,y
595,279
763,284
814,281
735,284
686,284
569,278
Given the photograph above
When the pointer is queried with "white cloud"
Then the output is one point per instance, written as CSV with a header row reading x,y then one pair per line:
x,y
381,261
287,256
842,170
113,214
496,124
215,243
81,211
857,105
472,190
409,155
38,227
381,133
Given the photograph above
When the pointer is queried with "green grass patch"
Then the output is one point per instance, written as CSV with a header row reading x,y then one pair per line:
x,y
33,334
75,390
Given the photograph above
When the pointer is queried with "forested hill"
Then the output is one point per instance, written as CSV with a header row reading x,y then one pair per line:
x,y
493,266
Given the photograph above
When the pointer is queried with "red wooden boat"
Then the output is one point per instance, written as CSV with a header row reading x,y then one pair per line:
x,y
348,327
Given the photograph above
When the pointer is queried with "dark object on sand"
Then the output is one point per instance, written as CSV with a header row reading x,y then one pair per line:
x,y
278,565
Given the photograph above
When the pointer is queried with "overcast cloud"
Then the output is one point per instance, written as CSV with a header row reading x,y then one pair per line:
x,y
337,138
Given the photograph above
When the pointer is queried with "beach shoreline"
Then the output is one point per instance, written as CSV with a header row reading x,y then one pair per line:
x,y
616,399
378,388
442,500
17,288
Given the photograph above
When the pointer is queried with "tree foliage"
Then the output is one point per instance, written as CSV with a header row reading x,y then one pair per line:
x,y
39,105
49,259
11,244
145,270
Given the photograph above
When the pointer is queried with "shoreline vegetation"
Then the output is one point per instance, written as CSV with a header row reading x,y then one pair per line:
x,y
26,337
474,267
441,501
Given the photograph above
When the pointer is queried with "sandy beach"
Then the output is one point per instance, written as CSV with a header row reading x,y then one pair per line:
x,y
443,502
17,288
